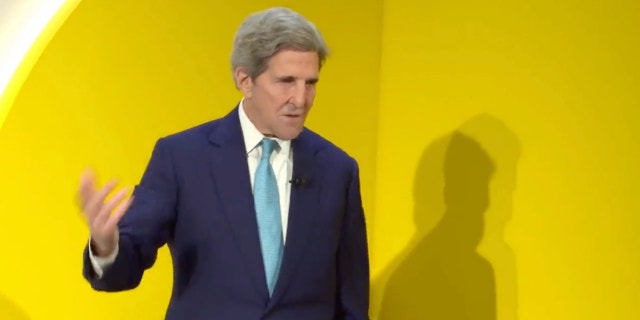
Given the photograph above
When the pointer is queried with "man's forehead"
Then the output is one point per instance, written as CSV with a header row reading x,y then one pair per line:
x,y
294,72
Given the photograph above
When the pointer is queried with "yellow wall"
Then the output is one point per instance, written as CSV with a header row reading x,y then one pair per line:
x,y
546,92
114,78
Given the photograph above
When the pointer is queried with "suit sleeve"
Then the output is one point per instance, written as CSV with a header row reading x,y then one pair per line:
x,y
353,257
146,227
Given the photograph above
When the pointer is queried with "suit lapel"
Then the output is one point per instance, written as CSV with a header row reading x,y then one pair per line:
x,y
304,201
231,176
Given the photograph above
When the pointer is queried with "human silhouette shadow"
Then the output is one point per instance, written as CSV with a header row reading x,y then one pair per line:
x,y
10,311
442,274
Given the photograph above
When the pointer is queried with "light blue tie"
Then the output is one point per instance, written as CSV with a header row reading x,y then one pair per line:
x,y
267,203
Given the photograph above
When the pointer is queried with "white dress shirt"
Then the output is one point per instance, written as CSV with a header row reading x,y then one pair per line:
x,y
281,161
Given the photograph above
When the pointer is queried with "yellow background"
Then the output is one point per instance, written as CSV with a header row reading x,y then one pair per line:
x,y
527,111
550,91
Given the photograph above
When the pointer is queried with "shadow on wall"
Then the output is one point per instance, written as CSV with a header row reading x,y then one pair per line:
x,y
10,311
462,202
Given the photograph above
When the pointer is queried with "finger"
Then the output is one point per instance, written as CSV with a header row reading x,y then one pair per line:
x,y
118,213
86,188
96,202
106,209
113,202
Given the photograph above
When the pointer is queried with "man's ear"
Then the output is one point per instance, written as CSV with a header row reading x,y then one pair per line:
x,y
243,82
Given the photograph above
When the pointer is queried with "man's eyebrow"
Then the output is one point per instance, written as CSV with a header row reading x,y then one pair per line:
x,y
285,78
292,78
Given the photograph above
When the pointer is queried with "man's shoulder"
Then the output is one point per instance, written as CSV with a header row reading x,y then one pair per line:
x,y
198,133
328,149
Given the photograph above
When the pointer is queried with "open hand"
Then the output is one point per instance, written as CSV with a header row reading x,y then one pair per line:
x,y
102,217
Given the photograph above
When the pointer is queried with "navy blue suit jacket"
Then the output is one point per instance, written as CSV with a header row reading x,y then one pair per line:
x,y
195,196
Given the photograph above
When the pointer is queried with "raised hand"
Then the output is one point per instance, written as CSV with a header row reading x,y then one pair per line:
x,y
102,217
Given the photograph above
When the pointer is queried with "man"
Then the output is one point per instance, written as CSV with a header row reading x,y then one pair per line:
x,y
263,217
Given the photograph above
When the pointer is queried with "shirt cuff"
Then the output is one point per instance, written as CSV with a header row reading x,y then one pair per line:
x,y
101,263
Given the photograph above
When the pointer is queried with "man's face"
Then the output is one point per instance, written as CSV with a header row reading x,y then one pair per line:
x,y
279,99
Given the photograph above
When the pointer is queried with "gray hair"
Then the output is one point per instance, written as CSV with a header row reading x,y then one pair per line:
x,y
263,34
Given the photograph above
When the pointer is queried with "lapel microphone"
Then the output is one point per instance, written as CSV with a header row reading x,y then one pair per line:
x,y
298,182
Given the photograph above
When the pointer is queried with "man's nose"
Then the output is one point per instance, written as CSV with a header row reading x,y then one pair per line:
x,y
299,94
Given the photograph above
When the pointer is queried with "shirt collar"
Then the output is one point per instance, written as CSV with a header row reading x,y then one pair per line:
x,y
253,137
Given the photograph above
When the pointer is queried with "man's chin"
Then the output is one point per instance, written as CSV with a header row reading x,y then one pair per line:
x,y
289,133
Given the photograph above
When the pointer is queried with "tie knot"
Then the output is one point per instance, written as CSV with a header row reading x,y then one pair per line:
x,y
268,145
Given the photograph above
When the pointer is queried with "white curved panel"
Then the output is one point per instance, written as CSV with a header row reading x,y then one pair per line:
x,y
21,22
